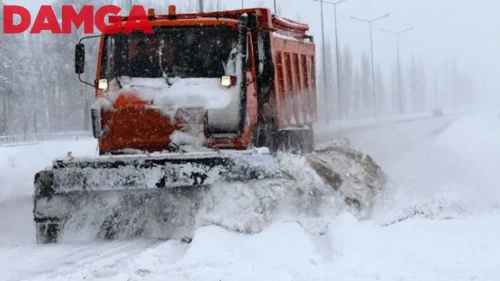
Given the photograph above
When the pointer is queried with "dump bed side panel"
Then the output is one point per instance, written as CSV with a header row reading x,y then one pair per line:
x,y
295,81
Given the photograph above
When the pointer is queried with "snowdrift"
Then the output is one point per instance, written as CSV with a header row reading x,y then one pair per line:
x,y
347,250
441,173
450,174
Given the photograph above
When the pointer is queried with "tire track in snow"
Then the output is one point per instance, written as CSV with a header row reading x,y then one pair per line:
x,y
59,260
22,258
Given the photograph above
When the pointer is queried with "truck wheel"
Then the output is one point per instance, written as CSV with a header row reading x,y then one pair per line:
x,y
265,135
296,141
47,233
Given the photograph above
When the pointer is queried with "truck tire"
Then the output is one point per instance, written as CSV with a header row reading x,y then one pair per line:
x,y
47,232
296,141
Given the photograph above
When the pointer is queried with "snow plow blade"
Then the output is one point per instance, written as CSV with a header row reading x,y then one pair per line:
x,y
137,195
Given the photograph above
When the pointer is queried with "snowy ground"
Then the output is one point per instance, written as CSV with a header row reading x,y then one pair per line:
x,y
438,221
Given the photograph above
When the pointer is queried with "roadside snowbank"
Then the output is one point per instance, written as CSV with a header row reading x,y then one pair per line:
x,y
19,164
322,127
452,174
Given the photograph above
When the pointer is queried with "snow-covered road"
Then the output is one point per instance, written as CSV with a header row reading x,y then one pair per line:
x,y
438,221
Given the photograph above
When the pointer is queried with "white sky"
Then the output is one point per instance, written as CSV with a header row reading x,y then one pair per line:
x,y
443,29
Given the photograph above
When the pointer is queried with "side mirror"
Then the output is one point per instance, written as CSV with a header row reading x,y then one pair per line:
x,y
80,58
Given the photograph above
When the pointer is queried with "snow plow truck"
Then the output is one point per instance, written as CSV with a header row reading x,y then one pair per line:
x,y
206,101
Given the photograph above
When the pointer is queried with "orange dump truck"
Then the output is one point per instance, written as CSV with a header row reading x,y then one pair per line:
x,y
207,99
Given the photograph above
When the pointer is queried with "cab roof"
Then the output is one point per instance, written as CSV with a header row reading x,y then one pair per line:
x,y
266,20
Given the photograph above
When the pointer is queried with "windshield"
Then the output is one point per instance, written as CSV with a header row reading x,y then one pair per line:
x,y
185,52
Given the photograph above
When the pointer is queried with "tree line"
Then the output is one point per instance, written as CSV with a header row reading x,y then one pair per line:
x,y
423,88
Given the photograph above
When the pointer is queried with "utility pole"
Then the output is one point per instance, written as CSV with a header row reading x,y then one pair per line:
x,y
325,82
275,7
243,4
200,6
371,21
397,33
337,55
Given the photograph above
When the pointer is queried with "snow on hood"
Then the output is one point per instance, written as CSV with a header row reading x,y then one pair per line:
x,y
206,93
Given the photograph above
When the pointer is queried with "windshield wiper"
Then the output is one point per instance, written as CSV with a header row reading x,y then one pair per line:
x,y
119,82
160,56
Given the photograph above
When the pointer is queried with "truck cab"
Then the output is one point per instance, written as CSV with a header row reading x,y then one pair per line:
x,y
219,80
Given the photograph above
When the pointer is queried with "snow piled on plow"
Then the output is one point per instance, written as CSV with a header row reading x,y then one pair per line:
x,y
313,189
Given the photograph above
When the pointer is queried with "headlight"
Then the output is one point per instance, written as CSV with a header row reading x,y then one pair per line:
x,y
102,84
228,81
